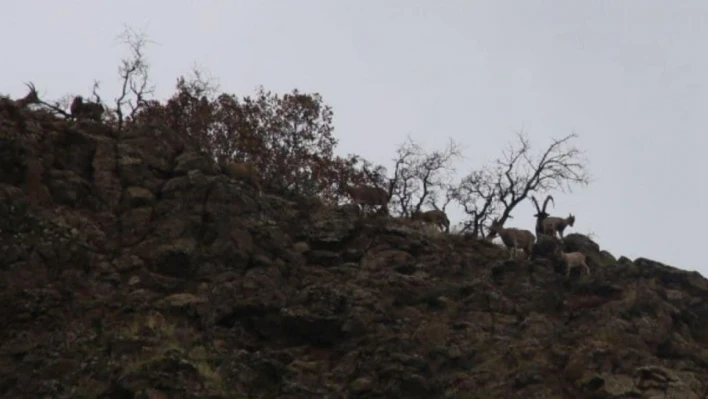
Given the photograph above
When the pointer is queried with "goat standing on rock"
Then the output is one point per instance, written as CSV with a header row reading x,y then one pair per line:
x,y
514,239
89,110
15,107
244,171
541,214
554,224
31,98
435,216
368,195
573,260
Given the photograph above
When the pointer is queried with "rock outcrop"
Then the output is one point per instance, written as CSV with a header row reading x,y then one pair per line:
x,y
132,268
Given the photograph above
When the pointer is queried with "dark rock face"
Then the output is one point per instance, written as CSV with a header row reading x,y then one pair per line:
x,y
130,268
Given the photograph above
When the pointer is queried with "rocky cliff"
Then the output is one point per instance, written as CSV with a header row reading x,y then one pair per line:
x,y
132,268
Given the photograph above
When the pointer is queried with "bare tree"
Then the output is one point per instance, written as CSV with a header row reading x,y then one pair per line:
x,y
446,195
477,194
558,167
63,102
420,177
400,185
134,74
495,192
200,84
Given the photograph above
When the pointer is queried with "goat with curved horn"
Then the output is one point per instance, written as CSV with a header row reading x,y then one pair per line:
x,y
31,98
541,213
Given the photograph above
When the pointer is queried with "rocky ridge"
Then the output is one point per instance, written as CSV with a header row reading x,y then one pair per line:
x,y
131,267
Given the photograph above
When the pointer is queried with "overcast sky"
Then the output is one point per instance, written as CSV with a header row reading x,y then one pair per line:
x,y
628,76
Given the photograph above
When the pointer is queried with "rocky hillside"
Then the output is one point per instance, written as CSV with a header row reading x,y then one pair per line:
x,y
132,268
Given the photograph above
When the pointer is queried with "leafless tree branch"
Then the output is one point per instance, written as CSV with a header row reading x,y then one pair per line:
x,y
495,192
420,177
558,167
476,193
134,75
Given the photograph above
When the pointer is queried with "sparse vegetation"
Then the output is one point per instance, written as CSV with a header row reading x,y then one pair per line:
x,y
162,340
147,270
289,140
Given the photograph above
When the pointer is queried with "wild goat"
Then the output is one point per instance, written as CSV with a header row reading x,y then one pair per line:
x,y
244,171
541,214
553,224
435,216
514,239
368,195
31,98
89,110
14,107
572,260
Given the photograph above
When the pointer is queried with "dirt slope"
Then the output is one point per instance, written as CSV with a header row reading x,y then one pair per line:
x,y
130,268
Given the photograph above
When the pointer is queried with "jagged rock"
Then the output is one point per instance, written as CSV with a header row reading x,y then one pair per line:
x,y
608,256
324,258
137,196
68,188
146,273
301,247
188,161
578,242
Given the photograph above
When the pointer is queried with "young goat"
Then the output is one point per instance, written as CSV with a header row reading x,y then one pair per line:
x,y
244,171
514,239
435,216
573,260
368,195
553,224
89,110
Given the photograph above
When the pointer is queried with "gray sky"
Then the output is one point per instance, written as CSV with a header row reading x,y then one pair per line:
x,y
628,76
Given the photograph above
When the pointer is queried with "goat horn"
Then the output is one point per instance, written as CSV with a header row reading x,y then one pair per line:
x,y
536,203
545,203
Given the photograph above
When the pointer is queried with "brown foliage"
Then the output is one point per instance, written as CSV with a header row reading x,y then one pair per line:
x,y
288,138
